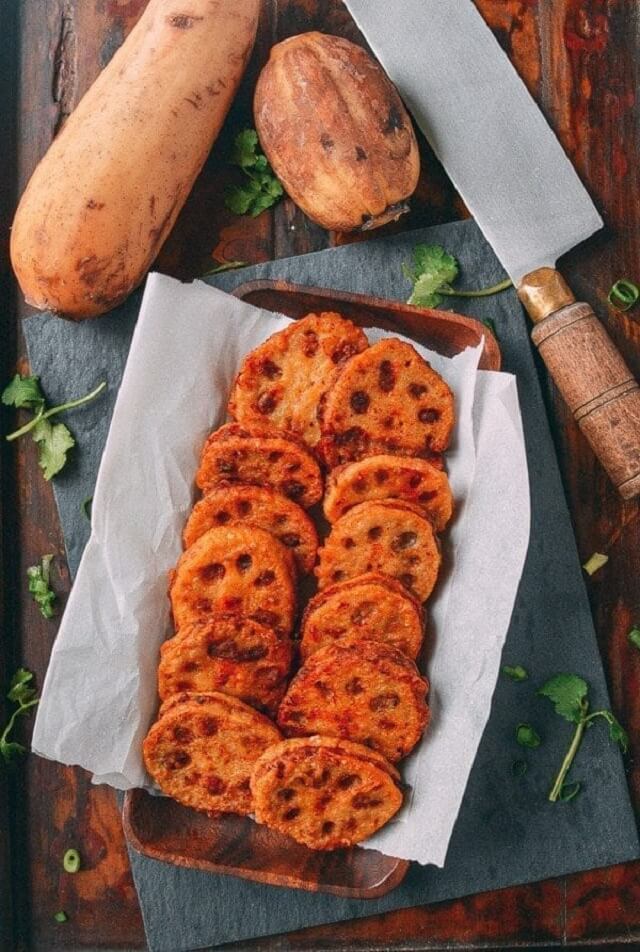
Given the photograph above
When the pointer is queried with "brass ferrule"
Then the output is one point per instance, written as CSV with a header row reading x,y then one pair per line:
x,y
543,292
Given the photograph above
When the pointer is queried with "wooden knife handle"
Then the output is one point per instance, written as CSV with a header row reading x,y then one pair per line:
x,y
590,373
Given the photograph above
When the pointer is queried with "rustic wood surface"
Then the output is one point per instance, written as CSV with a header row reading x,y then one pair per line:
x,y
579,59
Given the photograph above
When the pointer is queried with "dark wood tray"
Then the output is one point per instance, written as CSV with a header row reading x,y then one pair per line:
x,y
163,829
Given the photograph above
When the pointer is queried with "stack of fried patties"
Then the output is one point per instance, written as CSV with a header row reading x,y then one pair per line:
x,y
376,419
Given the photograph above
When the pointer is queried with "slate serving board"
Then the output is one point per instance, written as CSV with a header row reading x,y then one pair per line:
x,y
507,833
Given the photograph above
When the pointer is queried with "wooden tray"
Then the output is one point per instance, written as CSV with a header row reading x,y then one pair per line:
x,y
163,829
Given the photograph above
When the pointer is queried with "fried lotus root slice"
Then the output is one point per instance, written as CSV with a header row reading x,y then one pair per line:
x,y
258,506
322,794
240,570
370,606
230,654
390,477
281,382
387,536
363,691
235,454
202,750
386,400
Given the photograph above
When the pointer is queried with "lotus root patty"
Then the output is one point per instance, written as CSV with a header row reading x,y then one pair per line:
x,y
364,691
230,654
385,536
323,796
370,606
258,506
281,382
203,748
390,477
235,454
386,400
239,569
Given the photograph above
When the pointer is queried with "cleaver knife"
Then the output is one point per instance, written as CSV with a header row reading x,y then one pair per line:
x,y
522,190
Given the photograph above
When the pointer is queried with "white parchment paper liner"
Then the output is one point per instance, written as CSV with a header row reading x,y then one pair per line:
x,y
99,695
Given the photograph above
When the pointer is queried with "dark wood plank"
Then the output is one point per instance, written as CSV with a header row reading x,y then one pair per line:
x,y
579,58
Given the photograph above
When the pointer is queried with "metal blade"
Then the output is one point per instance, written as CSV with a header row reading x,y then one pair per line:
x,y
483,125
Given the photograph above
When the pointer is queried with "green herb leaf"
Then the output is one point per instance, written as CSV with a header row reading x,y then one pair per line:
x,y
519,768
23,392
634,637
569,790
20,693
243,151
595,562
61,916
262,188
618,734
568,693
624,295
43,596
54,441
527,736
433,268
516,673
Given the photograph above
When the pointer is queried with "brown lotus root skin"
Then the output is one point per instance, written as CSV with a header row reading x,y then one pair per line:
x,y
387,536
386,400
389,477
363,691
241,570
238,454
372,606
203,748
322,794
258,506
281,382
229,654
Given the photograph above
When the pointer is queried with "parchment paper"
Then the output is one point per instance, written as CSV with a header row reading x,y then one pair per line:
x,y
99,695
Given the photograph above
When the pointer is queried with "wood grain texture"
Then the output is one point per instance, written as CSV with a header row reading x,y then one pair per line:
x,y
580,60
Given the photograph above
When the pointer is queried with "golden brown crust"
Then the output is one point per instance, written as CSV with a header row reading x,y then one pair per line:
x,y
386,400
281,381
237,454
238,569
229,654
386,536
370,606
389,477
363,691
203,749
259,506
322,795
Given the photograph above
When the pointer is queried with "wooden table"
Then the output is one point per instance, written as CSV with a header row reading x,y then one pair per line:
x,y
579,59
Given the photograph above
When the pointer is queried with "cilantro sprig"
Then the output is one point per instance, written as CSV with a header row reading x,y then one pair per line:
x,y
54,440
22,693
570,696
433,272
39,577
261,189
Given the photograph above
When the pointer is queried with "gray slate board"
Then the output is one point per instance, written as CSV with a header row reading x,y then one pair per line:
x,y
507,833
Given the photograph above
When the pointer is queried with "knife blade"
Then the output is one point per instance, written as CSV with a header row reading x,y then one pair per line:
x,y
517,181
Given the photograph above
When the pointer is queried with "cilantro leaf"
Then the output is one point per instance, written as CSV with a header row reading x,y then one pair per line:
x,y
568,693
10,750
54,441
243,151
516,673
261,189
19,690
23,392
634,636
618,734
433,269
527,736
43,596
